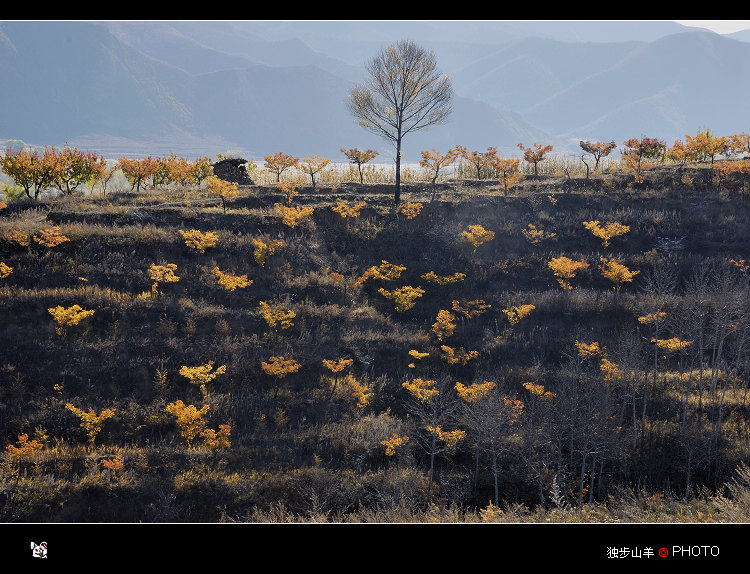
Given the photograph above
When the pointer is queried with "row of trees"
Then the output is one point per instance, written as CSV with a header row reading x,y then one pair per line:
x,y
68,169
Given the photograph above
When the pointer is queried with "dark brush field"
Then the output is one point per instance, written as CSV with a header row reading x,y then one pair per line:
x,y
662,441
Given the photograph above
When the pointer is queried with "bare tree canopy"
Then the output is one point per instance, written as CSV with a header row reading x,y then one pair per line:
x,y
404,92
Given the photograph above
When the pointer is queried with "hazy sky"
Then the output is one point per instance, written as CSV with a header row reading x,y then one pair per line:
x,y
718,26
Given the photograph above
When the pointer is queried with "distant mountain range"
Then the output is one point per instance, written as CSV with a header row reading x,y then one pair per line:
x,y
257,87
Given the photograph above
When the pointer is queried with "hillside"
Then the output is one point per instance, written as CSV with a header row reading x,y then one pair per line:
x,y
585,419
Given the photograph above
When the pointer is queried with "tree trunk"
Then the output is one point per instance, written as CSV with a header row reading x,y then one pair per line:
x,y
397,192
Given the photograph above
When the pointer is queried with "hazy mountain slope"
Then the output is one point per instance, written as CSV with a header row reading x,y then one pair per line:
x,y
66,79
663,89
208,46
524,73
165,42
203,88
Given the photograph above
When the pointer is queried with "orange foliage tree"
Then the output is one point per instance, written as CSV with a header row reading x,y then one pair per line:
x,y
606,232
28,170
68,316
394,443
162,274
50,237
263,250
433,161
5,270
201,375
279,162
518,312
313,165
444,324
404,297
535,154
138,171
410,210
705,146
508,171
478,235
359,157
433,277
231,282
223,189
637,150
470,309
565,269
192,423
24,448
346,211
597,149
90,421
71,168
479,161
292,216
616,272
198,240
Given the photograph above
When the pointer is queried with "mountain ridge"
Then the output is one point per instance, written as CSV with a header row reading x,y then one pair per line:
x,y
153,87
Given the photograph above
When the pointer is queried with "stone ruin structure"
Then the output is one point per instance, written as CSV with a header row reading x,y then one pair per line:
x,y
233,170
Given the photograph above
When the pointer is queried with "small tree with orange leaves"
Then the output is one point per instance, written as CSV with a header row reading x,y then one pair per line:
x,y
346,211
276,316
452,279
279,162
457,356
198,240
138,171
405,297
535,154
606,232
335,367
479,161
616,272
162,274
386,271
444,325
478,235
433,161
638,151
313,165
279,368
518,312
190,419
50,237
263,250
24,448
292,216
68,316
470,309
394,443
201,375
508,172
231,282
358,157
598,150
90,421
565,269
5,270
410,210
223,189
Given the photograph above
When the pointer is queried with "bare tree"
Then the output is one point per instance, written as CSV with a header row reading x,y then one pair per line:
x,y
404,92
